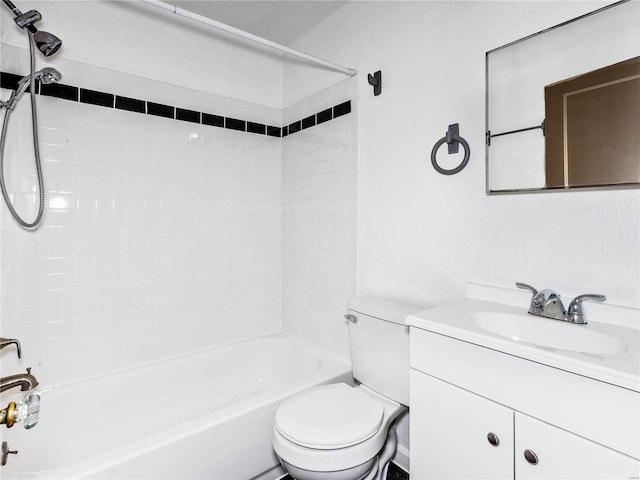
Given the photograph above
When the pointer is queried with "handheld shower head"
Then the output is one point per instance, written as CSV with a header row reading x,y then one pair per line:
x,y
47,75
48,44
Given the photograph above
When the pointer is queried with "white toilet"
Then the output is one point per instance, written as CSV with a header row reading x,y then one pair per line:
x,y
340,432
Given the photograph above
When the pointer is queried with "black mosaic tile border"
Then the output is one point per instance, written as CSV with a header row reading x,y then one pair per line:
x,y
212,120
130,104
97,98
109,100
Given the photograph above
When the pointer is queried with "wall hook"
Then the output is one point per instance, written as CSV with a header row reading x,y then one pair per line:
x,y
375,81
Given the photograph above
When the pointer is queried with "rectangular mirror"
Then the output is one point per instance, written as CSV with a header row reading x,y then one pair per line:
x,y
563,106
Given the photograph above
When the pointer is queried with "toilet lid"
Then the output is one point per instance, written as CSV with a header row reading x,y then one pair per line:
x,y
330,416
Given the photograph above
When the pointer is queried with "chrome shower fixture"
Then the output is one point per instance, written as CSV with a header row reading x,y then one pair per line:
x,y
46,75
46,42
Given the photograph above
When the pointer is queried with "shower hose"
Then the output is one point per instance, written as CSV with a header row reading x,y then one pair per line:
x,y
36,149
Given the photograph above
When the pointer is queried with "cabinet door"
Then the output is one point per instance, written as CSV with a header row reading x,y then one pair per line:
x,y
563,455
449,431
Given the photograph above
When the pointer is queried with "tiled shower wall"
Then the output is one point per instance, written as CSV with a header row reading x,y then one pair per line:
x,y
318,222
160,236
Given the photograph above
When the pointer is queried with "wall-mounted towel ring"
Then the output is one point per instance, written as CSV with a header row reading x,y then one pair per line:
x,y
453,140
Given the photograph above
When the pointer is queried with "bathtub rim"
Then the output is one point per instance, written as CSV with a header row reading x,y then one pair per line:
x,y
119,371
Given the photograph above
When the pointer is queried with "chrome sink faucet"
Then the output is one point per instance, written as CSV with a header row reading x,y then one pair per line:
x,y
547,303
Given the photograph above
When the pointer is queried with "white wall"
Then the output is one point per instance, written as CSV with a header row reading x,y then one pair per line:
x,y
140,39
421,235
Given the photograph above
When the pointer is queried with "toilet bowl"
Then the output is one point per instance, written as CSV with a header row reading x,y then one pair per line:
x,y
333,432
341,432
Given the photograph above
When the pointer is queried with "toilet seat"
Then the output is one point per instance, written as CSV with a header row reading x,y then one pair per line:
x,y
329,417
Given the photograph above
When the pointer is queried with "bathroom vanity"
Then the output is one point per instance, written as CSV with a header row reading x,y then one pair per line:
x,y
497,393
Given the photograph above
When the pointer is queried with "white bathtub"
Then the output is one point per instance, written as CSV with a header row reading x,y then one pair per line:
x,y
207,415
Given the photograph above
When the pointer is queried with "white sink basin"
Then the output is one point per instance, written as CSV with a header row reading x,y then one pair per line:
x,y
547,333
605,349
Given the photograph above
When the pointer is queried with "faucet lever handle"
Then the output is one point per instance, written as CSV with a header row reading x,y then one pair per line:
x,y
576,312
537,303
576,303
524,286
592,296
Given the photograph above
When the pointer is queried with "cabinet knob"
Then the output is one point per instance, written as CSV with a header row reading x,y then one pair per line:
x,y
531,457
493,439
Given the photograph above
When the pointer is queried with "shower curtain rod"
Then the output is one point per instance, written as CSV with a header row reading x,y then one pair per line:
x,y
249,36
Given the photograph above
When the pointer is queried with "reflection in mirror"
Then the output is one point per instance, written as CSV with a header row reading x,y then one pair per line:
x,y
591,117
563,106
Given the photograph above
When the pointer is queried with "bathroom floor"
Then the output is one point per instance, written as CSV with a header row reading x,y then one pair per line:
x,y
393,473
396,473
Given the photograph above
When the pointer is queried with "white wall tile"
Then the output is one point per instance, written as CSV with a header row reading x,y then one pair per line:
x,y
317,247
152,226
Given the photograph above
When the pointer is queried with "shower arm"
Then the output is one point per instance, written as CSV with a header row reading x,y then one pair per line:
x,y
246,35
16,11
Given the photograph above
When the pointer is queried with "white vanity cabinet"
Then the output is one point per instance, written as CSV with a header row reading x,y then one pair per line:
x,y
456,434
450,429
475,411
560,454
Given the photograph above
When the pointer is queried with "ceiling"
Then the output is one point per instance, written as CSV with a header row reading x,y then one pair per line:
x,y
280,21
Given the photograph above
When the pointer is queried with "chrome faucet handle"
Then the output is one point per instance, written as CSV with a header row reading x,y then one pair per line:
x,y
575,312
5,342
524,286
537,302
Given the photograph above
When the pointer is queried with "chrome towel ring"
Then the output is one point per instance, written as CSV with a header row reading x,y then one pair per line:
x,y
453,140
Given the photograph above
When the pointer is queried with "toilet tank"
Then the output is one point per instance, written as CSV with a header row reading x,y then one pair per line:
x,y
379,341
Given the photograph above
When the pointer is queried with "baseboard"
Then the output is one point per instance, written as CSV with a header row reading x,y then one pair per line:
x,y
401,458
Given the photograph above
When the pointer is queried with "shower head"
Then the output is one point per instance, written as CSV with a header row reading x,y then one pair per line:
x,y
46,42
47,75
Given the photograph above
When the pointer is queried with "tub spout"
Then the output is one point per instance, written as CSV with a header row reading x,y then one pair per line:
x,y
25,381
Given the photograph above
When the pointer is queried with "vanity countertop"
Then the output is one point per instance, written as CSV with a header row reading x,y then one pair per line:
x,y
620,366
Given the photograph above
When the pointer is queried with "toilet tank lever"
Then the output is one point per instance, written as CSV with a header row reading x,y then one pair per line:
x,y
351,318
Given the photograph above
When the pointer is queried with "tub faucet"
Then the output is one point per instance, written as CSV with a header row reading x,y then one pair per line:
x,y
547,303
25,381
5,342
